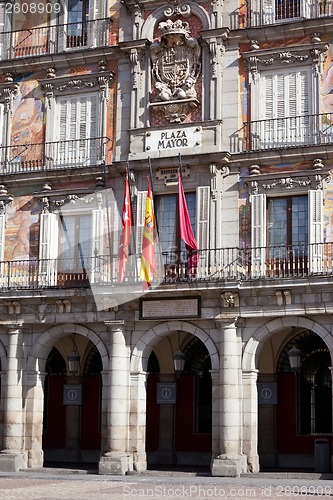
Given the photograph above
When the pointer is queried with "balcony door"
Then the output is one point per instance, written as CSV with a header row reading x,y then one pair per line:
x,y
75,248
284,118
287,234
77,23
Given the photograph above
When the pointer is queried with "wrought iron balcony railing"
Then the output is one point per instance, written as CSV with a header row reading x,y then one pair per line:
x,y
254,13
77,153
55,39
212,266
276,133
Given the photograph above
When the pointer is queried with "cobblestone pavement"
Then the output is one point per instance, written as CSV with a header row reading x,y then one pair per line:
x,y
58,486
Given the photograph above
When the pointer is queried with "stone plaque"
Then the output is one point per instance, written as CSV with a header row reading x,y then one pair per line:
x,y
167,139
166,394
170,308
73,394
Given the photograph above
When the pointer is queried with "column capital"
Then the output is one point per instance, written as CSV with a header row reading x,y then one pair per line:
x,y
250,374
114,325
14,328
228,321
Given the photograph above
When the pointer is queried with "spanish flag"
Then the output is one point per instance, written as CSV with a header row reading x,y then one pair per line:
x,y
147,267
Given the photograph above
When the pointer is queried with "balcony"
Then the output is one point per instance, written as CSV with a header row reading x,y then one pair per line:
x,y
55,39
277,133
257,13
213,266
47,156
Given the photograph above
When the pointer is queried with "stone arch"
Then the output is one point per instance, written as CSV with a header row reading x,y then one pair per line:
x,y
158,15
46,341
143,348
255,344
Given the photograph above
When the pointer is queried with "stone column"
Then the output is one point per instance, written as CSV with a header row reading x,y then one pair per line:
x,y
215,374
34,418
13,457
138,420
116,457
230,461
250,419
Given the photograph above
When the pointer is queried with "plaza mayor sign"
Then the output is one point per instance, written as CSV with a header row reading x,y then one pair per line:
x,y
189,137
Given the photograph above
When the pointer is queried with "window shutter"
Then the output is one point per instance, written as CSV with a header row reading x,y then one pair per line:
x,y
267,12
202,230
78,129
258,234
140,219
2,235
97,244
48,249
316,231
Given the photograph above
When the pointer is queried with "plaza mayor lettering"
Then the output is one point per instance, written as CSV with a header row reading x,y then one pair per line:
x,y
176,139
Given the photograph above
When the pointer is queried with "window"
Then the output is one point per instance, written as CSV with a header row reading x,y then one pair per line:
x,y
77,18
284,118
75,248
166,207
75,244
76,128
287,234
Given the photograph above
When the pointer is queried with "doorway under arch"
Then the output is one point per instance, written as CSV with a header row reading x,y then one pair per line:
x,y
179,433
72,432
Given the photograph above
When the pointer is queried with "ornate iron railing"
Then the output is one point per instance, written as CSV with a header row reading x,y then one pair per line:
x,y
211,265
77,153
54,39
254,13
276,133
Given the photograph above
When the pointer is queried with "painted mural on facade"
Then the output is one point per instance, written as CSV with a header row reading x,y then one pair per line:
x,y
27,131
22,229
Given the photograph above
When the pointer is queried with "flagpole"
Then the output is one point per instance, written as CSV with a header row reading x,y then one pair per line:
x,y
180,166
133,233
152,189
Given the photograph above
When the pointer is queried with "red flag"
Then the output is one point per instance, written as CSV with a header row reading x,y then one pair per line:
x,y
147,267
185,227
125,238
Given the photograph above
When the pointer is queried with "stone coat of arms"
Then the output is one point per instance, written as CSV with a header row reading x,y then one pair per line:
x,y
175,62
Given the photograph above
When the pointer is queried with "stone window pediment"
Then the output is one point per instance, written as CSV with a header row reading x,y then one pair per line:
x,y
276,58
74,84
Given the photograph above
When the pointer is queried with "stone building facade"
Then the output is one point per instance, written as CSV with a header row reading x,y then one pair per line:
x,y
239,98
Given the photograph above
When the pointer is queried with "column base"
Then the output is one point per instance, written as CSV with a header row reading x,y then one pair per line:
x,y
140,462
228,465
13,461
115,463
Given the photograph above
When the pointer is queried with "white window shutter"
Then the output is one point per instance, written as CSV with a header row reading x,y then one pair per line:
x,y
77,126
258,234
48,249
316,231
268,12
202,209
97,244
140,219
2,235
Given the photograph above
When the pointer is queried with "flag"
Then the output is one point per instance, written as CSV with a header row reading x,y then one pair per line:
x,y
125,237
185,228
147,267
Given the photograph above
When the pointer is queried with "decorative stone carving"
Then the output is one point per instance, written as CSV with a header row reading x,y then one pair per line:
x,y
175,69
305,54
177,8
230,299
287,183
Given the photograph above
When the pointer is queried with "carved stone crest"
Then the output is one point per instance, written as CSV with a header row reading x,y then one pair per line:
x,y
176,67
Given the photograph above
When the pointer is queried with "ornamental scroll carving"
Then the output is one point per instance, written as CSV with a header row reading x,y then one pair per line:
x,y
175,69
